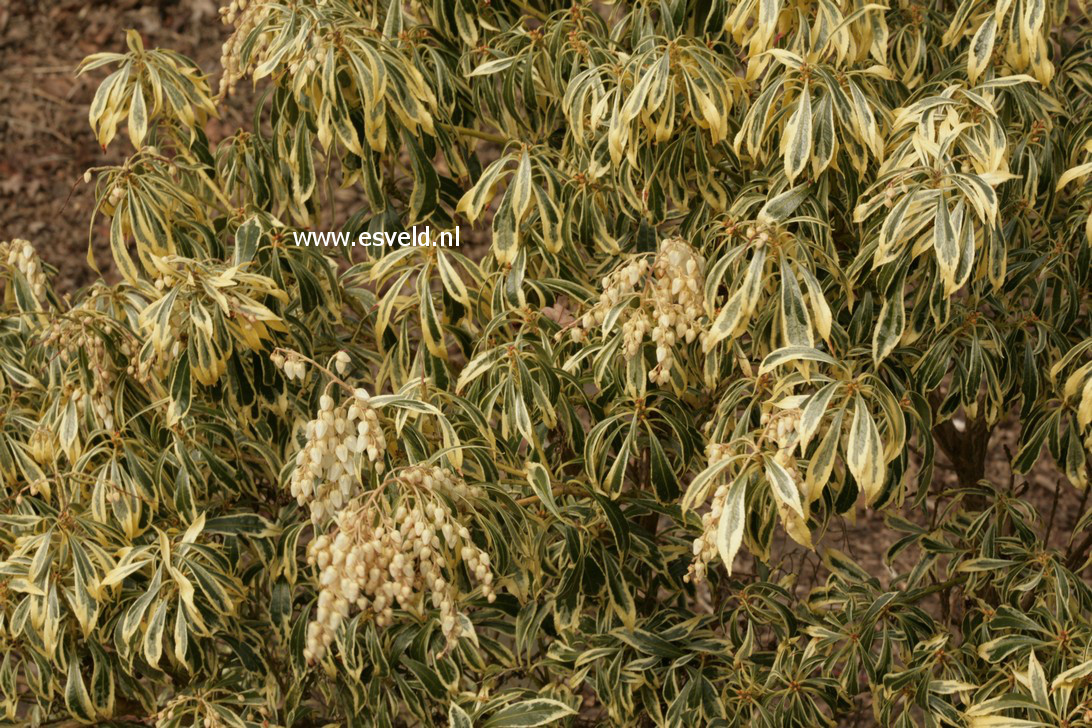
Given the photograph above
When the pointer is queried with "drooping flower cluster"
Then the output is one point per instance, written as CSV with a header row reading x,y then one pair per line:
x,y
399,549
245,15
154,360
705,545
291,364
342,362
76,335
327,473
22,256
669,306
781,427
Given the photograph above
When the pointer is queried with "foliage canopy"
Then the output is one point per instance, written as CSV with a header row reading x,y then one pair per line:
x,y
751,266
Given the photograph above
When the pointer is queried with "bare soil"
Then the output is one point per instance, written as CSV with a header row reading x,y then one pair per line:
x,y
46,143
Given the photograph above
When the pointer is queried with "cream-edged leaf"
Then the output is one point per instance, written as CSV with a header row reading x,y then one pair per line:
x,y
864,452
733,519
798,138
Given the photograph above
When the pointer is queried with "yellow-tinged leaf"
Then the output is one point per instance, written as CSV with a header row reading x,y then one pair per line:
x,y
945,245
736,313
783,486
521,187
194,529
891,325
76,698
1037,681
1084,411
138,116
122,570
1074,173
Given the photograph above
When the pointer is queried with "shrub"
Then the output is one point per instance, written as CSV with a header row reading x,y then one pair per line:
x,y
754,270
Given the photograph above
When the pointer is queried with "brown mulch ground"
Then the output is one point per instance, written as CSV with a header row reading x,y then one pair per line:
x,y
45,139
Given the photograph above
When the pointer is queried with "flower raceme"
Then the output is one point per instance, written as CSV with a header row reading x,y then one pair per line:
x,y
340,437
663,299
382,555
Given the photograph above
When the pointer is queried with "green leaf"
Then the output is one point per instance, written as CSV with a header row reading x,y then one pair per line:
x,y
1072,676
945,246
732,522
458,718
1038,682
138,117
521,187
505,230
788,354
697,491
494,66
539,478
1002,721
1001,648
822,461
427,676
824,135
393,25
891,325
76,697
798,138
246,241
813,413
453,283
477,197
795,322
620,597
251,524
781,206
529,713
69,430
153,636
735,314
783,486
978,55
864,451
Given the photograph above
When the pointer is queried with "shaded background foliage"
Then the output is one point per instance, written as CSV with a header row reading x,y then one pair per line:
x,y
891,254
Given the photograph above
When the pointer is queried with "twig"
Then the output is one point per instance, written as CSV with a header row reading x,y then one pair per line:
x,y
1053,510
487,136
556,490
536,14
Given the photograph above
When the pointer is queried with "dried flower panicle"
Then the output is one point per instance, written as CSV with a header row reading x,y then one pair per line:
x,y
403,552
669,292
327,473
